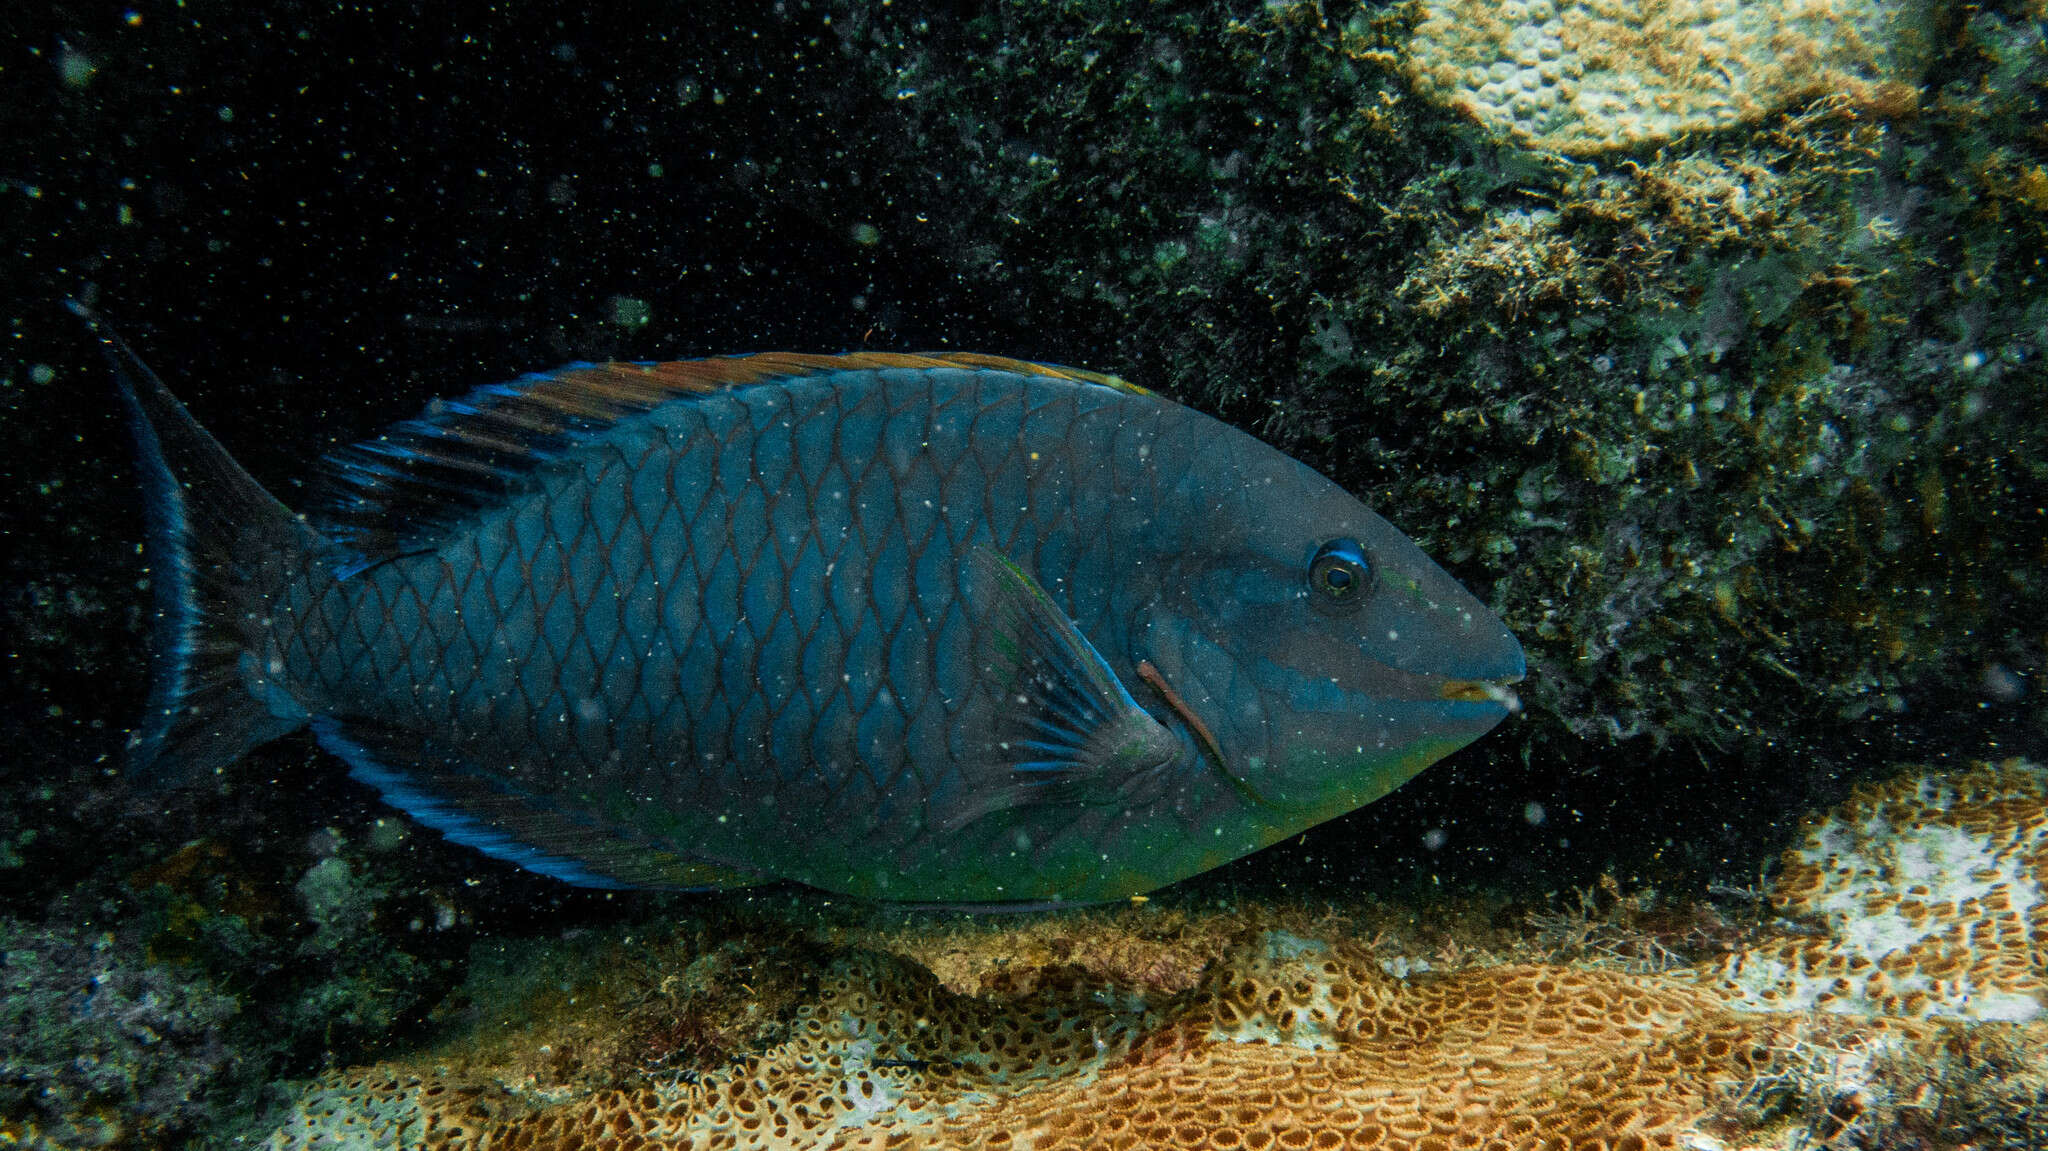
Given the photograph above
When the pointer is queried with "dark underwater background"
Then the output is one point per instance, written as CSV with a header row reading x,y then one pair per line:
x,y
1758,479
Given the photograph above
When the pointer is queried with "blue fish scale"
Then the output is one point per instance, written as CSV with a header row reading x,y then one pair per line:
x,y
741,615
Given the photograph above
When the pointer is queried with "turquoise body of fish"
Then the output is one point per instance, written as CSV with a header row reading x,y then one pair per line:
x,y
942,628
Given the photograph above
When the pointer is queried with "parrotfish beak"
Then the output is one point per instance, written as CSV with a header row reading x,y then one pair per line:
x,y
1500,667
1482,691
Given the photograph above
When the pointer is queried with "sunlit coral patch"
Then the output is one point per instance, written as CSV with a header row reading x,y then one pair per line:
x,y
1587,76
1934,893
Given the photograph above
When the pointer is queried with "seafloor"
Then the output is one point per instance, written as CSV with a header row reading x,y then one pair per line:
x,y
1702,339
1886,990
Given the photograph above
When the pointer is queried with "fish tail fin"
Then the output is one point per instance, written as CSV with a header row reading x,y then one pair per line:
x,y
219,548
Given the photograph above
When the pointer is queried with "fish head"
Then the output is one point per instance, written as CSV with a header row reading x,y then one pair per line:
x,y
1317,656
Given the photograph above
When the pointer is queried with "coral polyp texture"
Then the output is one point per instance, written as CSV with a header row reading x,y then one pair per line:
x,y
1313,1046
1917,934
1587,76
1934,893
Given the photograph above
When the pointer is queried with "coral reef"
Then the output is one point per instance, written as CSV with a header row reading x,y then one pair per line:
x,y
1587,77
1288,1040
1739,429
1291,1043
165,1010
327,945
1157,954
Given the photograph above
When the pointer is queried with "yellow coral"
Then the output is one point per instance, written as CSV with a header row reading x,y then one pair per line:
x,y
1299,1044
1587,76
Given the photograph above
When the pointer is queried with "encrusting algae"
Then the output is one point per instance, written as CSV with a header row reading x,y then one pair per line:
x,y
1294,1040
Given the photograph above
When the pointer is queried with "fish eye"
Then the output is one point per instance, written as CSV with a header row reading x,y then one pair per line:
x,y
1340,575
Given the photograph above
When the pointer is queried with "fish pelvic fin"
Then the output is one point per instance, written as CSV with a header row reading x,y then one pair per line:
x,y
219,548
1068,730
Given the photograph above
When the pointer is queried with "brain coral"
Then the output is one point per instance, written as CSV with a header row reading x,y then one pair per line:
x,y
1587,76
1927,900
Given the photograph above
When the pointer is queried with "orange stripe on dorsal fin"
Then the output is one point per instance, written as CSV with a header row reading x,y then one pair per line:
x,y
731,371
1027,368
405,489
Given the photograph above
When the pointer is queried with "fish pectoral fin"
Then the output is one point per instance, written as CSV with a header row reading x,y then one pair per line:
x,y
487,810
1066,729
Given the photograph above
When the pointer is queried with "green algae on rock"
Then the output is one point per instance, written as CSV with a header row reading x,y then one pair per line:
x,y
1737,430
98,1048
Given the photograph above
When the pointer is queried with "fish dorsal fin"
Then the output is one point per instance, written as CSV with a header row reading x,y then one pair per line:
x,y
405,489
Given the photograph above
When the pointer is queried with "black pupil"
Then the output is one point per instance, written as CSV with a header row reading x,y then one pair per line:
x,y
1340,571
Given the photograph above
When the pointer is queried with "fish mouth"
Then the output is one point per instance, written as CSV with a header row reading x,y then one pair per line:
x,y
1156,680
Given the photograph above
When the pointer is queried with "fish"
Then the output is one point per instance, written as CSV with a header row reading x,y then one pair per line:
x,y
940,628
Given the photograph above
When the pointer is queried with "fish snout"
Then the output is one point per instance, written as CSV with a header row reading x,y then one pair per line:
x,y
1482,691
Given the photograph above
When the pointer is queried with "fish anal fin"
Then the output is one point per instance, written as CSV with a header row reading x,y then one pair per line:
x,y
486,811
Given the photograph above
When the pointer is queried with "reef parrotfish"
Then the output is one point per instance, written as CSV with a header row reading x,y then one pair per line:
x,y
942,628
